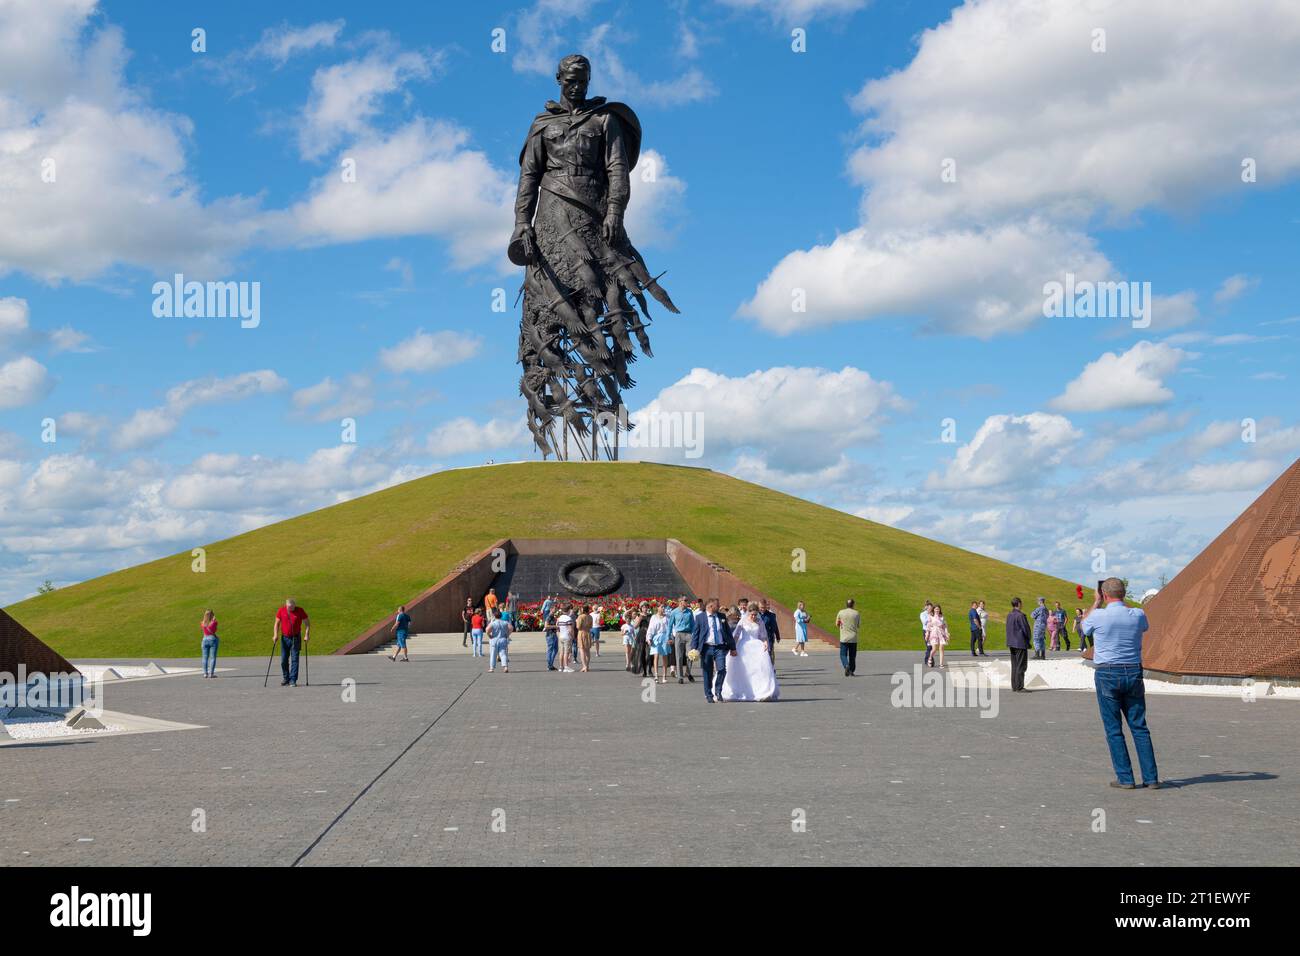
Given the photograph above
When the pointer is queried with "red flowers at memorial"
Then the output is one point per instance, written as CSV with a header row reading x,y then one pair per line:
x,y
614,605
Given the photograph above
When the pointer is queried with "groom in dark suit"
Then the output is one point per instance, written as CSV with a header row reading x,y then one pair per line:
x,y
712,638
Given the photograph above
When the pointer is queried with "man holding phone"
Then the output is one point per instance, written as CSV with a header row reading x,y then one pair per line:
x,y
1117,630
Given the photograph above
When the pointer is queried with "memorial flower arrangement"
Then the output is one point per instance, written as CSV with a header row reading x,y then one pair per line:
x,y
614,606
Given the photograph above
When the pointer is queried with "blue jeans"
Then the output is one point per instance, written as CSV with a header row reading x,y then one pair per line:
x,y
497,646
477,636
209,655
552,648
289,647
849,655
713,658
1120,691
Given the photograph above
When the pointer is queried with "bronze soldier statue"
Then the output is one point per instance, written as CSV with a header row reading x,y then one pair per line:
x,y
578,326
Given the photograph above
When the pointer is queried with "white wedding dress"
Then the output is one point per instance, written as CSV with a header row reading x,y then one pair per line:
x,y
750,675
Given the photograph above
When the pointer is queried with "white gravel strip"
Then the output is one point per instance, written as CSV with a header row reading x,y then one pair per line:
x,y
1075,674
44,728
93,672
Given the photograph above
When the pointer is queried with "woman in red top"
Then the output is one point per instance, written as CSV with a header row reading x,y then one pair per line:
x,y
476,624
209,628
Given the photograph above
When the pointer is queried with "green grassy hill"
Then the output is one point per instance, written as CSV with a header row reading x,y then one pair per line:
x,y
352,563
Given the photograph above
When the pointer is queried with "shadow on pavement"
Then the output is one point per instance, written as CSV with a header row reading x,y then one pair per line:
x,y
1233,776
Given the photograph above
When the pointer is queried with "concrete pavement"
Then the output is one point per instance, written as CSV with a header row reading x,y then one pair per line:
x,y
436,762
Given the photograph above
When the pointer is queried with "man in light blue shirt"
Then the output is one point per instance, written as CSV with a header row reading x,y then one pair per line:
x,y
1117,630
681,625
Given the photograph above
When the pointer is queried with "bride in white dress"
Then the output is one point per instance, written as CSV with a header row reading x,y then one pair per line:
x,y
750,675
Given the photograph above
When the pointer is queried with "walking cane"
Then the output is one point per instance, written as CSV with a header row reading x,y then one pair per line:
x,y
268,664
306,649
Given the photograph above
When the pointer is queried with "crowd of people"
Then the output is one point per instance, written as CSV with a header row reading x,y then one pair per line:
x,y
663,640
735,647
1049,629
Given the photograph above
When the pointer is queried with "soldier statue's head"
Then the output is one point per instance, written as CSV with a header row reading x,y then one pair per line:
x,y
574,74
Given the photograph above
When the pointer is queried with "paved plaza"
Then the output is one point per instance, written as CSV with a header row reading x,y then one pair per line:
x,y
438,762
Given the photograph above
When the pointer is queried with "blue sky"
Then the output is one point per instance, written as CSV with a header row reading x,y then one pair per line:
x,y
1114,157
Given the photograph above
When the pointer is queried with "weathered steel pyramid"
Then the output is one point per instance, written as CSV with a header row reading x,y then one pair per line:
x,y
20,646
1235,609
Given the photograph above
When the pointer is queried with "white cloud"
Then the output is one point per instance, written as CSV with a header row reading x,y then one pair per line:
x,y
70,482
430,351
1233,287
13,318
403,268
328,400
892,515
282,42
22,381
1028,72
1173,311
1227,476
239,483
1213,435
68,339
346,97
149,425
145,427
1042,129
1205,338
1130,379
323,391
82,424
16,330
1008,450
620,82
113,517
213,389
422,180
797,12
797,419
120,191
980,282
656,203
463,436
755,468
543,34
1274,439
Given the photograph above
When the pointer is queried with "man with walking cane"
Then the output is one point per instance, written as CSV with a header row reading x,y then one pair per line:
x,y
292,630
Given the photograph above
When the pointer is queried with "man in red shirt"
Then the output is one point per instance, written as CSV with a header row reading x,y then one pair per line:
x,y
292,630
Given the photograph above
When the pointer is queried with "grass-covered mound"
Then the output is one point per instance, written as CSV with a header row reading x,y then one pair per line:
x,y
351,564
